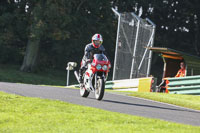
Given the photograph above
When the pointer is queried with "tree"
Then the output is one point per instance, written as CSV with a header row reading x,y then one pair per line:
x,y
36,32
13,31
48,24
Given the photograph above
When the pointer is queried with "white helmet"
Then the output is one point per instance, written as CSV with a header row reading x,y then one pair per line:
x,y
97,37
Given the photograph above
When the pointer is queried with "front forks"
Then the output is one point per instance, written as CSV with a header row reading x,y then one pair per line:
x,y
95,81
96,77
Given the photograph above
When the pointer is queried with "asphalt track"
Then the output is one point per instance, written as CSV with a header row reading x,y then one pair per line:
x,y
112,102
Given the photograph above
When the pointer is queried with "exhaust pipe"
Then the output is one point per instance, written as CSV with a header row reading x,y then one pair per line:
x,y
77,76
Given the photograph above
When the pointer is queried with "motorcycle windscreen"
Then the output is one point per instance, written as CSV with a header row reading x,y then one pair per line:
x,y
100,57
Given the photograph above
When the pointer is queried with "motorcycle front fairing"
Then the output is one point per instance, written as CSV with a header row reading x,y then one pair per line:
x,y
100,63
99,68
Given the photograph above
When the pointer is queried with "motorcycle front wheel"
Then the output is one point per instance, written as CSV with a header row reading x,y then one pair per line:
x,y
84,92
99,91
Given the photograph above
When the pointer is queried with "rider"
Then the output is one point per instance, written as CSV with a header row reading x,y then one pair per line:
x,y
92,48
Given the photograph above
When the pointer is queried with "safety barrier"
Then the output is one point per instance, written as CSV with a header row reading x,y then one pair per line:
x,y
189,85
141,84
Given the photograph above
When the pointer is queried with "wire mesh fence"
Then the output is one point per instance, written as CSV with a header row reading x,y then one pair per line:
x,y
132,59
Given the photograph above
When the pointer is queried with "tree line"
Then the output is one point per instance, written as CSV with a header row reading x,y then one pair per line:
x,y
38,34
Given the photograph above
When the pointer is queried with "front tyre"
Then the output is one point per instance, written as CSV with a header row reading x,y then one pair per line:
x,y
99,91
83,91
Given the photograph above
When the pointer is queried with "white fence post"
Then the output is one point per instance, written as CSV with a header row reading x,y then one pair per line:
x,y
117,39
70,66
135,46
152,41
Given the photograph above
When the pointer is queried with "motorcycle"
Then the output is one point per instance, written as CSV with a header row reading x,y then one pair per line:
x,y
95,76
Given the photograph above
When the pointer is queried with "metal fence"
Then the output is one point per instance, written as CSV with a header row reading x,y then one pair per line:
x,y
132,59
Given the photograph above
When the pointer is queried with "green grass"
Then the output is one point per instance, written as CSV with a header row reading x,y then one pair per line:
x,y
189,101
10,73
23,114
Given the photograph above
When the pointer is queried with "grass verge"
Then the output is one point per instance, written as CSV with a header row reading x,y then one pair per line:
x,y
23,114
10,73
189,101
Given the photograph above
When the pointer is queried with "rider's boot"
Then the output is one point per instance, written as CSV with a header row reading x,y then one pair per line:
x,y
80,79
81,76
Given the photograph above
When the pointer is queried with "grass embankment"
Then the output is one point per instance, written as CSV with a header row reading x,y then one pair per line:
x,y
22,114
10,73
189,101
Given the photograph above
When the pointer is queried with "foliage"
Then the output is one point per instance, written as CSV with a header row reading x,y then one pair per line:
x,y
67,26
13,32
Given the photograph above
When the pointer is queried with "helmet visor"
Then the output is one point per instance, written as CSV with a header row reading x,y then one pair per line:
x,y
97,42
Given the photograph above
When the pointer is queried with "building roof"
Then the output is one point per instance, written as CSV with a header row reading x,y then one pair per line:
x,y
191,60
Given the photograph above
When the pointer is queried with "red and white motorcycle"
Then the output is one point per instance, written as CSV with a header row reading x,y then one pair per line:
x,y
95,76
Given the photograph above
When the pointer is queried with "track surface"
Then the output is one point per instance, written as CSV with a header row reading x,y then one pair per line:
x,y
111,102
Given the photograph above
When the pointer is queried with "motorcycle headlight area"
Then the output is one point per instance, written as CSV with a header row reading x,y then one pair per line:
x,y
93,64
105,67
98,67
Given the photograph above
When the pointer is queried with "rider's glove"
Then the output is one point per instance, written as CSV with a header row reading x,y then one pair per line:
x,y
88,60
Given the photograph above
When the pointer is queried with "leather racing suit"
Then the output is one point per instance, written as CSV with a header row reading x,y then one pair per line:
x,y
90,50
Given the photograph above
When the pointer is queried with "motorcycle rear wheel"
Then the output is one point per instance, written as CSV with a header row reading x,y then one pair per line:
x,y
99,91
84,92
